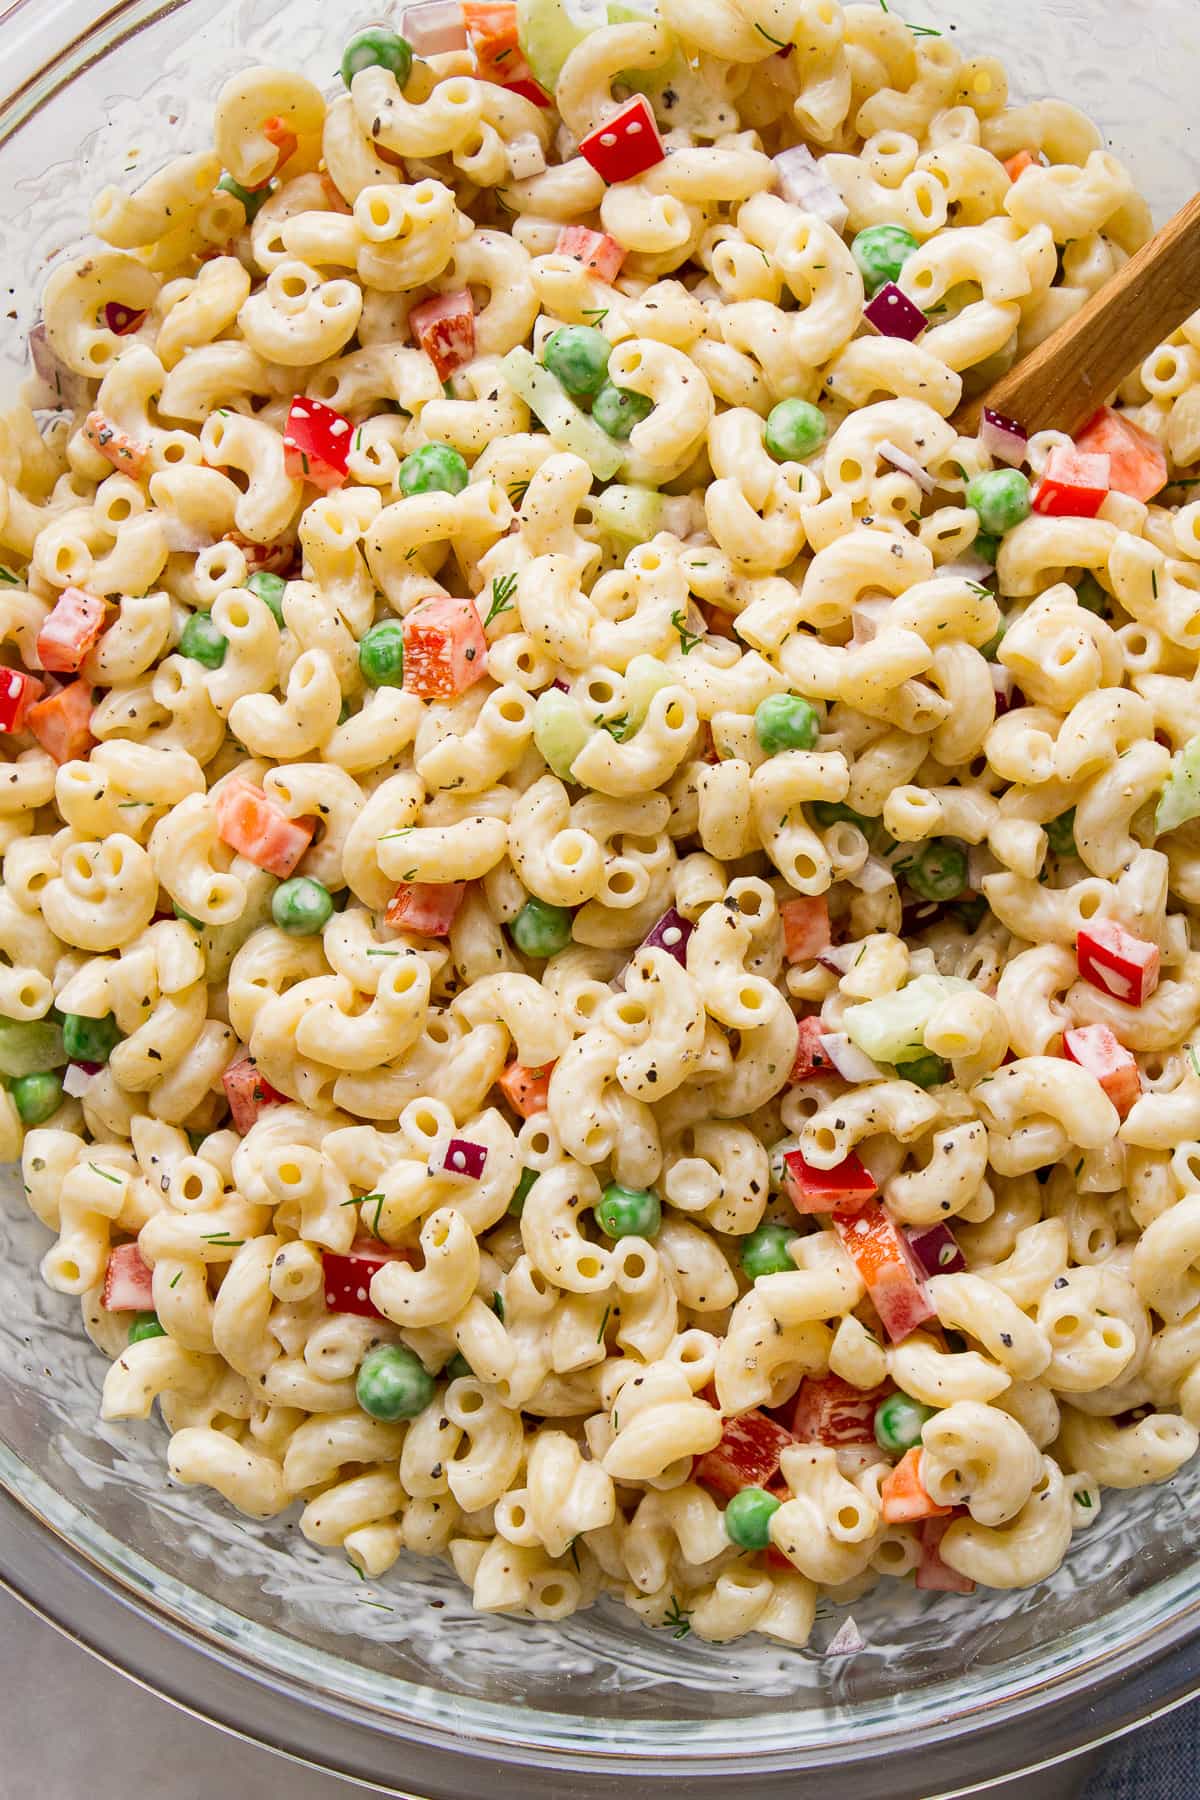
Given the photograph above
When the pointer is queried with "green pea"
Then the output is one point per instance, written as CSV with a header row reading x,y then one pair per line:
x,y
89,1040
1091,596
250,203
381,654
36,1097
898,1422
301,906
629,1212
617,410
540,929
939,872
269,589
971,913
433,469
881,251
925,1071
785,722
145,1325
577,356
377,47
795,429
987,545
516,1205
748,1518
393,1383
458,1365
1001,498
1061,833
203,642
765,1251
836,812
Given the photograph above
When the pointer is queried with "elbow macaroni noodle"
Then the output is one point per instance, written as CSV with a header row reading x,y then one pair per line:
x,y
606,757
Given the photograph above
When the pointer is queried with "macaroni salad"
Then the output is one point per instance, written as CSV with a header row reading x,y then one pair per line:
x,y
596,941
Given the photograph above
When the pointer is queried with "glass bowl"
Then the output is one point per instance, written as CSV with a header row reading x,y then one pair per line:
x,y
398,1683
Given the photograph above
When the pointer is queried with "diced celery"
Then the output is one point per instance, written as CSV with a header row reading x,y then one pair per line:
x,y
548,31
221,943
1180,798
559,730
892,1028
643,678
570,428
632,513
30,1047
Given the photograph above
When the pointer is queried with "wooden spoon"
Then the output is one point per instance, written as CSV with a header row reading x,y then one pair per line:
x,y
1063,382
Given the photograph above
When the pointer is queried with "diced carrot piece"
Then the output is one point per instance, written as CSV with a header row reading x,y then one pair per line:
x,y
934,1575
526,1090
747,1455
1099,1050
492,32
811,1060
805,927
428,908
445,651
444,327
881,1254
70,630
61,722
1017,165
254,826
128,1281
248,1093
128,455
1137,461
904,1495
277,132
596,250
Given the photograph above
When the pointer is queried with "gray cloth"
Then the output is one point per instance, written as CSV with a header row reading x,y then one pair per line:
x,y
1159,1762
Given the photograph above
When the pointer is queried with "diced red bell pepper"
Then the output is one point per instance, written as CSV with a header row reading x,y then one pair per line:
x,y
128,1281
122,321
18,691
805,928
596,250
1097,1049
528,89
70,630
811,1061
626,144
61,722
526,1090
747,1455
844,1189
277,132
829,1411
1073,485
316,445
1116,962
934,1575
255,827
904,1494
128,455
1137,461
444,328
428,908
1015,166
348,1277
445,651
881,1254
271,559
248,1093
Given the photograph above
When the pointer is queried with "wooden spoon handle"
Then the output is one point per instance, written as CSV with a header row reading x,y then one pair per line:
x,y
1063,382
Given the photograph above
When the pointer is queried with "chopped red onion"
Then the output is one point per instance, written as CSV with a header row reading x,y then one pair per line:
x,y
873,877
802,182
838,957
77,1080
464,1158
434,27
670,934
893,314
968,568
937,1251
122,320
847,1640
1002,685
525,156
907,465
1003,439
561,686
65,387
851,1063
867,616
